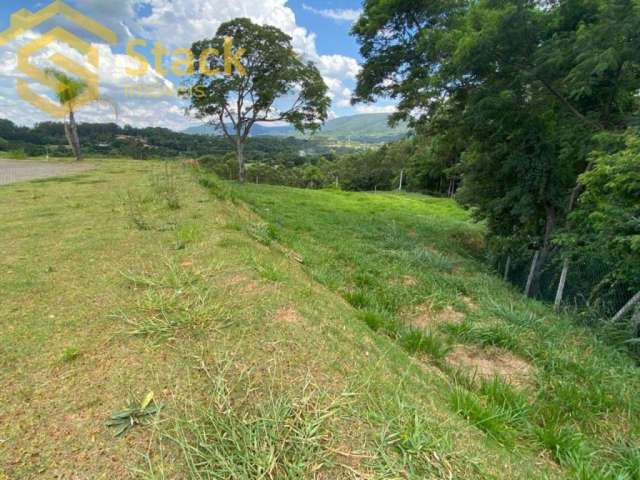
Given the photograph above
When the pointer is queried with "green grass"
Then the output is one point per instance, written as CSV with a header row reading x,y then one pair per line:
x,y
579,391
286,334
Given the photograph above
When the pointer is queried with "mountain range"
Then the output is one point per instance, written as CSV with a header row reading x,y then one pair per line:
x,y
369,126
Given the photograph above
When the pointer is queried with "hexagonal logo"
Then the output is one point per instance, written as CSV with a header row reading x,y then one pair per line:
x,y
25,20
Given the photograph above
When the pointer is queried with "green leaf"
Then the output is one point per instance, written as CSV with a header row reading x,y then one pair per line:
x,y
147,400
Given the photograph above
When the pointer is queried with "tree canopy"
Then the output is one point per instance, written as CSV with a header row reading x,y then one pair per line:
x,y
532,87
274,84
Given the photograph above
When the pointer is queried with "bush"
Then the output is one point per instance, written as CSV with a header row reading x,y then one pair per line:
x,y
223,166
18,154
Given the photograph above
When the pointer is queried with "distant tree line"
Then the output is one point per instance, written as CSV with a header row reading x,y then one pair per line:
x,y
109,139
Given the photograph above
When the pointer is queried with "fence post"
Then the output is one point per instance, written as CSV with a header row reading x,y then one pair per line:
x,y
563,281
636,321
624,310
506,269
534,266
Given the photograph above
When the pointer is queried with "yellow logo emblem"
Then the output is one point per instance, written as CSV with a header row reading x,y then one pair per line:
x,y
23,21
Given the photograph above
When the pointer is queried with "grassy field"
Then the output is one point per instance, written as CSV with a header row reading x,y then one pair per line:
x,y
284,334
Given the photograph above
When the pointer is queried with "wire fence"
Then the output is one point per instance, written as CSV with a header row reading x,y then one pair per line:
x,y
587,286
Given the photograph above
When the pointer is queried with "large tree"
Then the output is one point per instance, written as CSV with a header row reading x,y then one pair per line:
x,y
532,86
271,83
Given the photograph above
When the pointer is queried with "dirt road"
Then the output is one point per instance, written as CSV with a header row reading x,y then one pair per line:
x,y
12,171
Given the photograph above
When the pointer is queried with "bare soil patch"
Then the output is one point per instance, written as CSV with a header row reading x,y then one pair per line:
x,y
406,280
491,362
288,315
471,305
426,318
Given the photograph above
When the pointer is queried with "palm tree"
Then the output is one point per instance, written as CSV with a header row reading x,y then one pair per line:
x,y
69,89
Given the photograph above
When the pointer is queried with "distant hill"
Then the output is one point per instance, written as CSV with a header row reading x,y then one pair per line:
x,y
369,126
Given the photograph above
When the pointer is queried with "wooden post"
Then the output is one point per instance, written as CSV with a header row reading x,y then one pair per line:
x,y
563,281
636,321
506,269
534,266
624,310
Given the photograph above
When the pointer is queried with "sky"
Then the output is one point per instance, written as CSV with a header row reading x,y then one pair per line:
x,y
319,29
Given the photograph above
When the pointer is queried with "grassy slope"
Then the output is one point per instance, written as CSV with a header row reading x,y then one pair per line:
x,y
393,257
263,366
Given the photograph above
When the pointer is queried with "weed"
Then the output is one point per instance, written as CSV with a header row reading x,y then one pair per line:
x,y
414,340
626,461
70,354
503,396
186,235
422,257
279,437
165,187
377,321
497,335
267,270
135,205
565,444
216,187
264,233
137,413
490,418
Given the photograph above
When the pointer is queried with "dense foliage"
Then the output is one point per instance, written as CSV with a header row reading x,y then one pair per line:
x,y
513,97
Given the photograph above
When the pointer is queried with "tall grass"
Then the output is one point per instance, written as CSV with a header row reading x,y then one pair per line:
x,y
232,436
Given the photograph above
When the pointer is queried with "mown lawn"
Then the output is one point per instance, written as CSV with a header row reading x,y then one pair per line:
x,y
314,335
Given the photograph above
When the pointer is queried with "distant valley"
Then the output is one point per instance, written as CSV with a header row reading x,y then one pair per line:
x,y
372,127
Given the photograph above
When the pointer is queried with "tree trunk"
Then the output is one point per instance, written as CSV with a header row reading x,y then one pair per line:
x,y
73,138
240,158
561,285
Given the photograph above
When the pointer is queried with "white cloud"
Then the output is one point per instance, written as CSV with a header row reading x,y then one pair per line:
x,y
192,20
175,24
375,108
346,15
167,111
338,66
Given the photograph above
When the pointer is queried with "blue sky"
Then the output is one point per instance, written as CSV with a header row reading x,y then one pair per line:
x,y
320,31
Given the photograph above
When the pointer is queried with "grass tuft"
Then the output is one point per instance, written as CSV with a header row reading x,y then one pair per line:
x,y
565,445
492,419
70,354
415,340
